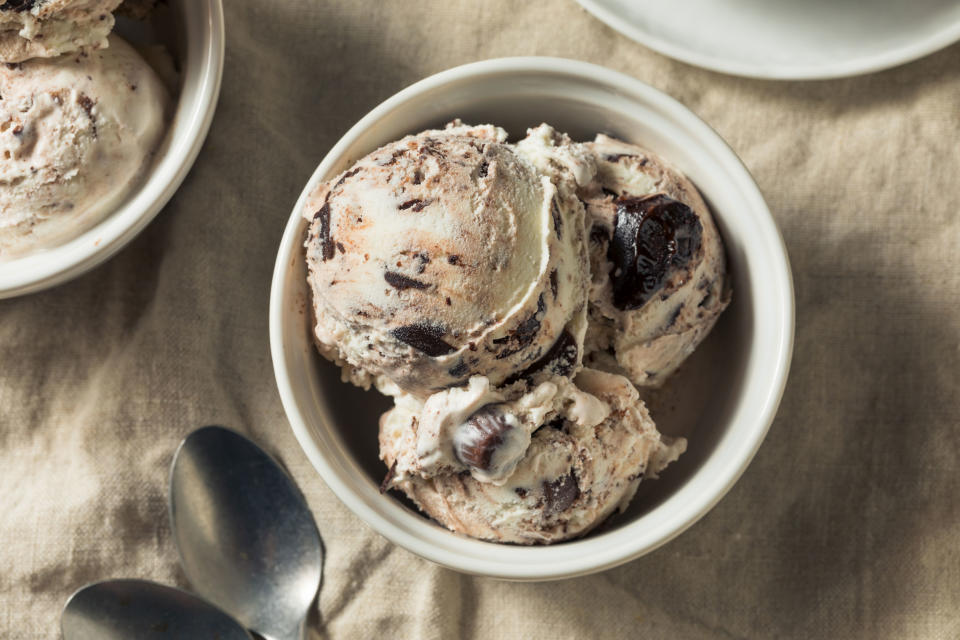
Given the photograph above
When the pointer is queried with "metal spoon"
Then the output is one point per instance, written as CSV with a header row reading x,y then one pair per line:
x,y
123,609
246,537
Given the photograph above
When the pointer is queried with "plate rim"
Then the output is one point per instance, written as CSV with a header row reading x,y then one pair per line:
x,y
853,67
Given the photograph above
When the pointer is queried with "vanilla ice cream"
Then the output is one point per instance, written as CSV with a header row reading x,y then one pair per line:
x,y
503,294
657,263
442,256
49,28
576,452
76,133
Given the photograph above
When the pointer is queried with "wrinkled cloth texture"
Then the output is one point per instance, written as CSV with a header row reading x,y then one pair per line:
x,y
846,523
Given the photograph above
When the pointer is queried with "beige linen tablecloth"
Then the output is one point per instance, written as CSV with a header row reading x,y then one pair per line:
x,y
846,525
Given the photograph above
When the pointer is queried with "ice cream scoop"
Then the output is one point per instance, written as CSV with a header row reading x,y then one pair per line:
x,y
455,271
476,428
587,446
442,256
49,28
76,134
657,264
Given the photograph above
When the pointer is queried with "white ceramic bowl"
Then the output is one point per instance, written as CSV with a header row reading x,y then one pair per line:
x,y
729,389
192,30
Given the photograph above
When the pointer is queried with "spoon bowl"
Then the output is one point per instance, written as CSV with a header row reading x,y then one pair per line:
x,y
123,609
246,537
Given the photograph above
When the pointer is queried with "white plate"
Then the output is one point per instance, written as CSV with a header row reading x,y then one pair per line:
x,y
786,39
192,30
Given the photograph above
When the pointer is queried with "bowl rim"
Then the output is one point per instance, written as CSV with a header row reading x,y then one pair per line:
x,y
474,556
54,266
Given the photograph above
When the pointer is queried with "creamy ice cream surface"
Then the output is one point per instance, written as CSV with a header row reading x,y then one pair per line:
x,y
49,28
442,256
588,445
76,133
657,264
510,296
476,428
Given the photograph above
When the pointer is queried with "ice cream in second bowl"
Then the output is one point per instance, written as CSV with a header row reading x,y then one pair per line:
x,y
49,28
76,134
454,271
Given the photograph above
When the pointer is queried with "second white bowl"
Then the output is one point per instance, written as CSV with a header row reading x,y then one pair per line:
x,y
192,31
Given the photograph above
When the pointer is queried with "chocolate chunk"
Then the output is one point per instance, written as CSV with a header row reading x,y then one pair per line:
x,y
553,283
520,491
559,494
558,424
427,338
610,192
415,204
482,169
87,105
430,147
674,315
327,247
454,260
387,479
476,440
400,282
557,219
18,5
707,299
525,332
459,370
528,329
348,174
417,176
393,157
617,157
599,234
653,235
561,359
